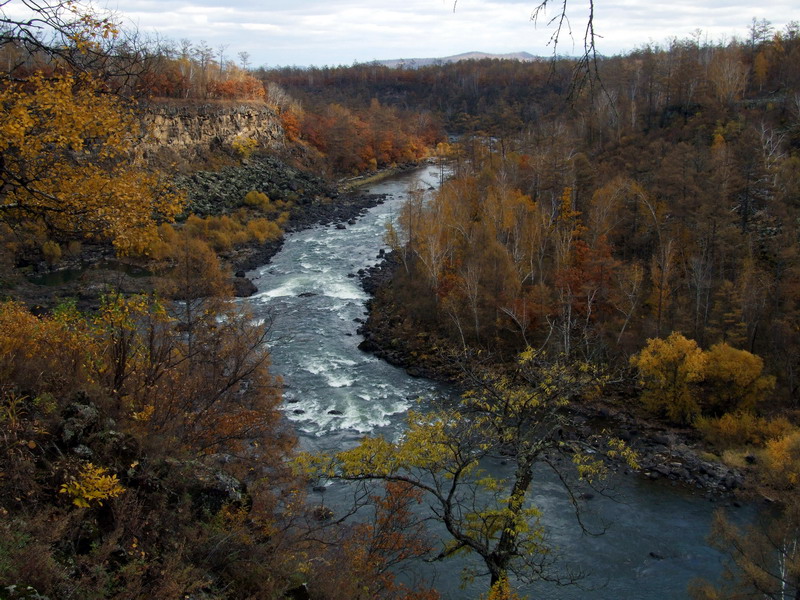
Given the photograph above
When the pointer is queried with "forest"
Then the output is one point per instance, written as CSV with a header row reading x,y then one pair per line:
x,y
631,238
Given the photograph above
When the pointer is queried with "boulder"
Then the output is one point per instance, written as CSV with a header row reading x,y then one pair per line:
x,y
79,421
243,287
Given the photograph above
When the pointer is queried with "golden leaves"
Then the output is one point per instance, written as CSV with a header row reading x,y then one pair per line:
x,y
682,381
66,147
92,485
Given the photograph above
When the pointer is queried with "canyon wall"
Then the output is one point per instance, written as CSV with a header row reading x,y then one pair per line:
x,y
179,134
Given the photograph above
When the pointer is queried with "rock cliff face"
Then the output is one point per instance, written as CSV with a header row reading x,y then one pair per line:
x,y
179,133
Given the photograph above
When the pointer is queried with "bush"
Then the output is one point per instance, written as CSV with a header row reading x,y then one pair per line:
x,y
683,382
732,380
742,428
51,252
263,230
782,461
244,147
258,200
669,369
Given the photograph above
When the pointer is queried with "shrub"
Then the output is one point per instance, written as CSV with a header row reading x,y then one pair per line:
x,y
263,230
219,240
683,382
244,147
92,485
742,428
258,200
74,248
51,251
732,380
782,461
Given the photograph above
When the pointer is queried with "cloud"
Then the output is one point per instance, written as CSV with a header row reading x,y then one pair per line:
x,y
324,32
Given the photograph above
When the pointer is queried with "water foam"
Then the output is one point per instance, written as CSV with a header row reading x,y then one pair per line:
x,y
344,291
338,381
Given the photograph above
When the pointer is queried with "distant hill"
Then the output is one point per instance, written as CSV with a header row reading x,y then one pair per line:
x,y
414,63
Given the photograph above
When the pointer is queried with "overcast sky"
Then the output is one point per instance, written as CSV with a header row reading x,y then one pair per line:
x,y
336,32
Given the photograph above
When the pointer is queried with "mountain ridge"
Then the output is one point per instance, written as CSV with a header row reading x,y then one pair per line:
x,y
415,63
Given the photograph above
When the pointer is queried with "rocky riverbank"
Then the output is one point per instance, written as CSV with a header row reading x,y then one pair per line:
x,y
94,271
389,335
672,455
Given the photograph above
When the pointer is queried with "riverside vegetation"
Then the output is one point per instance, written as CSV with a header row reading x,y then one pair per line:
x,y
642,238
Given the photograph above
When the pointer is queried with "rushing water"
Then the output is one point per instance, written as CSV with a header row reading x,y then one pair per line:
x,y
654,542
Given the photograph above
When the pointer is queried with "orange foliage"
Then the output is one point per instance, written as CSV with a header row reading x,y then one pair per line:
x,y
291,125
356,141
245,87
202,380
391,537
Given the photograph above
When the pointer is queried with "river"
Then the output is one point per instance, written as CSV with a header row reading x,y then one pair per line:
x,y
335,394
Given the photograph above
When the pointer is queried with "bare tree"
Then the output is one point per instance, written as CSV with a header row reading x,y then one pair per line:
x,y
586,67
221,54
63,33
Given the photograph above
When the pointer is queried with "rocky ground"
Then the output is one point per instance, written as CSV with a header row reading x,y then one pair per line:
x,y
670,454
218,192
664,453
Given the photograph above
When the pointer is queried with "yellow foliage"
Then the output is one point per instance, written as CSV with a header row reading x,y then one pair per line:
x,y
51,251
219,240
66,161
681,381
161,246
733,380
145,414
567,215
223,232
263,230
669,368
501,590
244,146
92,485
259,200
742,428
782,461
240,237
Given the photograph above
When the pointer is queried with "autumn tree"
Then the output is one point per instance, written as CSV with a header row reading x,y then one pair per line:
x,y
682,382
67,136
66,163
669,368
733,380
56,34
763,558
518,417
365,558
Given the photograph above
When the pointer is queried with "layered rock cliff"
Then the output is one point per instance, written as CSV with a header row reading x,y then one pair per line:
x,y
181,134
